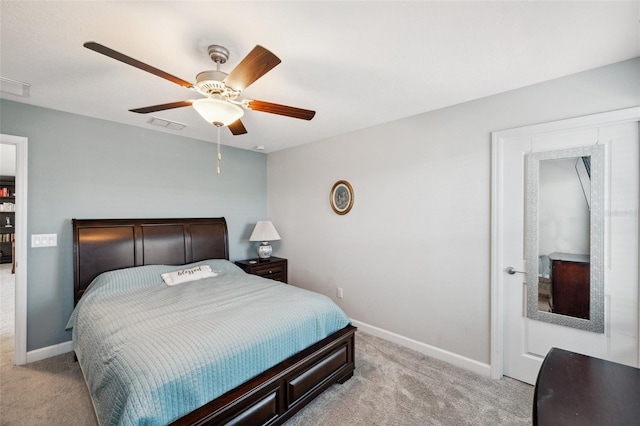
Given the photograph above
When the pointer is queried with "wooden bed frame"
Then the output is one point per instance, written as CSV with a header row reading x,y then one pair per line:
x,y
271,398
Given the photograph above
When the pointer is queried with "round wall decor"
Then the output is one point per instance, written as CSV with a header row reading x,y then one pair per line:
x,y
341,197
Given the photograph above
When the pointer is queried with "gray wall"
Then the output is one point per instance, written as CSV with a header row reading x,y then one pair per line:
x,y
81,167
413,254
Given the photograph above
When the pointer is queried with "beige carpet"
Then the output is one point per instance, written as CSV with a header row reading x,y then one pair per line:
x,y
392,385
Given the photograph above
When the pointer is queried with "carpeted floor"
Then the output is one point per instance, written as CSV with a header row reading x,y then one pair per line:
x,y
392,385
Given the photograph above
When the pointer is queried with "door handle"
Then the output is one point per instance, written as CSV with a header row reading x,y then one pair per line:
x,y
512,271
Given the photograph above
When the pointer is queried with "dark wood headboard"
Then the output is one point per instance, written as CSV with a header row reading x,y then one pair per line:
x,y
101,245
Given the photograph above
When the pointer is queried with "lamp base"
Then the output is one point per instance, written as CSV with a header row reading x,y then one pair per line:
x,y
264,250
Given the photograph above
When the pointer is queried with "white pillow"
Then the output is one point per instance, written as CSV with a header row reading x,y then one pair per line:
x,y
186,275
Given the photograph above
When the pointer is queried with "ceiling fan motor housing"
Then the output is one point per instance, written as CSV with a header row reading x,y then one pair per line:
x,y
212,83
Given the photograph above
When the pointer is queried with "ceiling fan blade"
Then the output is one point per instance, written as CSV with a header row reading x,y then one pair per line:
x,y
97,47
256,64
288,111
237,128
162,107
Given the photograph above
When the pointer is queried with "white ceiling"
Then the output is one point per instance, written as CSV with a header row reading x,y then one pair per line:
x,y
357,64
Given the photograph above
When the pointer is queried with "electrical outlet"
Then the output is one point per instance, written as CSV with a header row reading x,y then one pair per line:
x,y
339,293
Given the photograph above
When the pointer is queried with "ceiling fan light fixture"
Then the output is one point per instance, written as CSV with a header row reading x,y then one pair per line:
x,y
217,111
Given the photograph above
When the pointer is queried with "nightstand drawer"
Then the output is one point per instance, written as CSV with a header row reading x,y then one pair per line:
x,y
268,270
275,268
279,276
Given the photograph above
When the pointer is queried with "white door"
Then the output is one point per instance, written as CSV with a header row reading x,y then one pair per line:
x,y
525,342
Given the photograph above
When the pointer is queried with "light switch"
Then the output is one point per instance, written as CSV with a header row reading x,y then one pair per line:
x,y
44,240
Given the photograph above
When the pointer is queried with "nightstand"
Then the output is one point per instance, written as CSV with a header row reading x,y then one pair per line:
x,y
274,268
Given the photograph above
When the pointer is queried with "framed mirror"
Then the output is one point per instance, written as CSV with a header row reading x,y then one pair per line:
x,y
564,237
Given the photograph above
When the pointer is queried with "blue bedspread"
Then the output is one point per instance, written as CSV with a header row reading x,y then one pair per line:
x,y
151,353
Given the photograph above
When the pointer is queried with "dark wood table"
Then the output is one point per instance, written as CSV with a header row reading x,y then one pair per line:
x,y
574,389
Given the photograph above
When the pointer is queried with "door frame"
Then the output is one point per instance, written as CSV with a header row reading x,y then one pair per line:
x,y
498,141
20,321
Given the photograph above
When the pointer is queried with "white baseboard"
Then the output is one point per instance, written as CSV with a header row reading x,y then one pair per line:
x,y
423,348
49,351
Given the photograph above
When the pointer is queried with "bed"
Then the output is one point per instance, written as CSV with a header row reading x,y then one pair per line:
x,y
150,247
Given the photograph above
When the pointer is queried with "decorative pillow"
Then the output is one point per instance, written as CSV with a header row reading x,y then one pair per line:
x,y
186,275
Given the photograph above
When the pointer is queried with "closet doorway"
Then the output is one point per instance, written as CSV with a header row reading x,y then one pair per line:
x,y
17,321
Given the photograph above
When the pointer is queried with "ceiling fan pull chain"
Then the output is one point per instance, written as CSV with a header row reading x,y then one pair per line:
x,y
219,154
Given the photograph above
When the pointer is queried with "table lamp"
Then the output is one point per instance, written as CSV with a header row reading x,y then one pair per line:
x,y
264,232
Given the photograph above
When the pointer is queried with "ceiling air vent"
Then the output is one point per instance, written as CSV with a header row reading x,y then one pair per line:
x,y
14,87
173,125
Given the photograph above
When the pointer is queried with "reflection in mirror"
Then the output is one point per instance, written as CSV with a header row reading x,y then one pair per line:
x,y
564,235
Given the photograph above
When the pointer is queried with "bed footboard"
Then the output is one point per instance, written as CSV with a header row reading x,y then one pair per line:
x,y
277,394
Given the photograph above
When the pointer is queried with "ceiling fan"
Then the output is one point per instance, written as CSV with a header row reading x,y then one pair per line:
x,y
220,106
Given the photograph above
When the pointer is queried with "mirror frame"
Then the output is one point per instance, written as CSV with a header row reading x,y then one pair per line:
x,y
595,323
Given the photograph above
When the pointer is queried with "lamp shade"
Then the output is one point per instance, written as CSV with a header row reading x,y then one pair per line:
x,y
217,111
264,231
